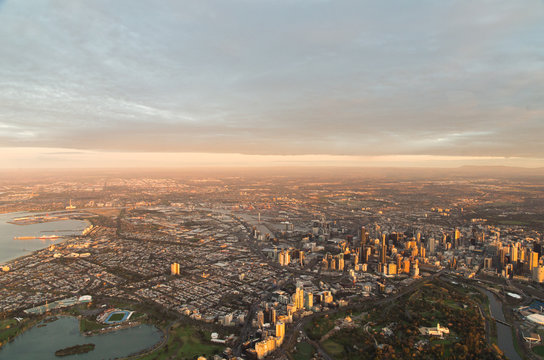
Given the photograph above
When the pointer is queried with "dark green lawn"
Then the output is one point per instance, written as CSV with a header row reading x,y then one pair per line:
x,y
8,328
304,351
116,317
186,342
539,350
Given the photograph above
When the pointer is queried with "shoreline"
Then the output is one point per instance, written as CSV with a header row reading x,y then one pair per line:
x,y
33,252
37,321
62,239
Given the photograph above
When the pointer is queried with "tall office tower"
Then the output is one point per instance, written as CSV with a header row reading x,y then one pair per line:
x,y
285,258
366,254
422,252
406,266
432,243
355,259
418,239
273,316
308,300
341,262
538,274
364,240
301,257
502,257
444,239
537,248
260,318
457,234
507,272
299,298
533,260
514,253
174,269
383,250
280,329
392,269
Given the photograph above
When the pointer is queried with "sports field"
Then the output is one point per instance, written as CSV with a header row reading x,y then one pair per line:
x,y
117,317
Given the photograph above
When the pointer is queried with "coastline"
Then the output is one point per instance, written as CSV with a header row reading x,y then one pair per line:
x,y
165,335
62,239
33,252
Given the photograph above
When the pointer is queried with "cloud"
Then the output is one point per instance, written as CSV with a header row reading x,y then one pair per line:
x,y
358,78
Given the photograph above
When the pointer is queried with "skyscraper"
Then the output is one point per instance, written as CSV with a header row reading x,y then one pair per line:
x,y
383,251
432,242
174,269
308,300
285,257
514,253
298,298
533,260
280,329
341,262
260,318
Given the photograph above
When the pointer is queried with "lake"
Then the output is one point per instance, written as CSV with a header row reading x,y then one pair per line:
x,y
11,249
42,342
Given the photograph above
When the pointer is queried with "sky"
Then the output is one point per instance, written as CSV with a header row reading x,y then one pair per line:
x,y
358,83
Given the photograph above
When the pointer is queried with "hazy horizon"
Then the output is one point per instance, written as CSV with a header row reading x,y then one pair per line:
x,y
289,82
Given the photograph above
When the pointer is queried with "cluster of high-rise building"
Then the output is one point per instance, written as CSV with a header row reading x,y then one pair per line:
x,y
392,254
515,260
272,319
284,257
335,262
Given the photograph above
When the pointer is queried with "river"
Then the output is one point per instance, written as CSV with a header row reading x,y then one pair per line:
x,y
42,342
504,332
11,249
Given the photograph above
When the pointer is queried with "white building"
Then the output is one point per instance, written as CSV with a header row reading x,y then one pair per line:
x,y
437,331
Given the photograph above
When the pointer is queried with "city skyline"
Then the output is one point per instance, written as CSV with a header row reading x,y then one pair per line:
x,y
274,82
272,179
